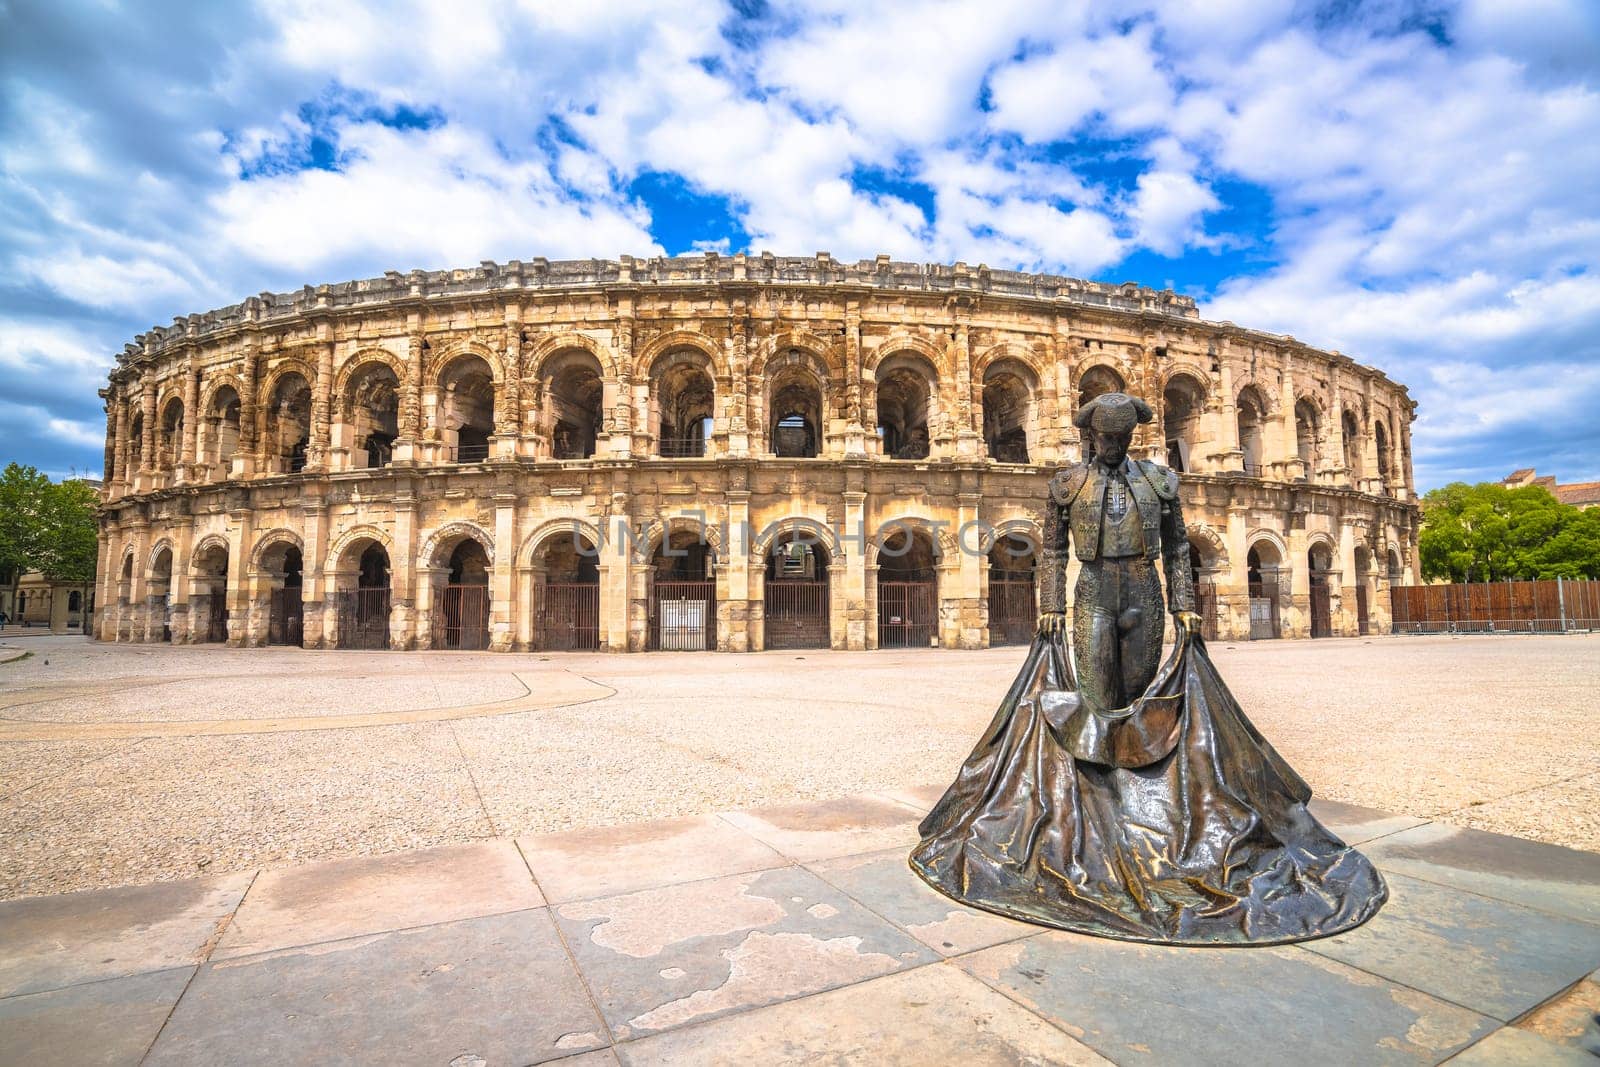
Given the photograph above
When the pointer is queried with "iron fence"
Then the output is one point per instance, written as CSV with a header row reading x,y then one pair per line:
x,y
285,616
1557,605
683,447
907,614
1012,613
797,613
569,617
363,618
461,617
683,616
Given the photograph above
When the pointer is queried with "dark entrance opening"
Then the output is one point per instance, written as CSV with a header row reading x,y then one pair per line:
x,y
796,593
364,610
1321,599
683,594
1013,614
908,591
1263,585
568,612
461,606
286,613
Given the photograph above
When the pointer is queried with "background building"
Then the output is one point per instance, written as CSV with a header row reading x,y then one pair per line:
x,y
734,452
1582,495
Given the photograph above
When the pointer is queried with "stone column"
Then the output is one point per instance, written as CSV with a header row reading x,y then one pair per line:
x,y
737,564
503,575
119,451
1229,455
1236,593
408,443
314,591
972,565
1292,465
968,438
738,437
321,406
178,583
860,630
189,455
856,431
147,444
247,455
403,606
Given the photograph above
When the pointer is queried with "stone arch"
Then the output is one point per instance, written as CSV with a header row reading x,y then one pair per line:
x,y
796,383
656,347
353,536
266,541
1194,370
1321,539
1272,540
549,530
361,360
279,370
459,349
549,346
164,544
651,535
1012,350
208,393
447,535
1100,369
819,531
1265,393
1216,549
943,540
1024,528
900,342
827,354
204,546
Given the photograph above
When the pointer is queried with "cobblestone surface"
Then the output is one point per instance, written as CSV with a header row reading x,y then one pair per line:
x,y
1495,733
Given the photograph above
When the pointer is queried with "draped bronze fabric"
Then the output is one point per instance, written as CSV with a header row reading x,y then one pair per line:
x,y
1171,821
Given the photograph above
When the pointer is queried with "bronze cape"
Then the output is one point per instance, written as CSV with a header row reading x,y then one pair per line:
x,y
1172,820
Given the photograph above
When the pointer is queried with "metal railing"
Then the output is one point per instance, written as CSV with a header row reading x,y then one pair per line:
x,y
569,617
1012,614
907,614
796,613
683,616
683,447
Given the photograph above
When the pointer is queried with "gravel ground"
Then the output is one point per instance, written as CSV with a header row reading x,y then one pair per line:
x,y
1497,733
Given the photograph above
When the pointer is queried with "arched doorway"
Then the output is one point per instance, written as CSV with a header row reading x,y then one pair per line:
x,y
1013,602
170,446
159,596
289,424
795,413
684,403
211,592
362,597
285,607
1350,427
796,592
567,611
222,431
908,590
573,396
1307,431
1008,389
466,409
683,594
461,604
372,415
1182,403
904,403
1252,413
1262,568
1205,591
1320,562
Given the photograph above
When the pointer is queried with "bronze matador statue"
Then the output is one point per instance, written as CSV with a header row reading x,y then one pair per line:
x,y
1120,516
1136,800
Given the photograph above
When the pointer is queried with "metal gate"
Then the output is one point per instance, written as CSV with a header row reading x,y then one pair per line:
x,y
683,616
1012,613
1263,611
796,614
461,617
1321,609
285,616
1205,606
363,618
569,617
217,618
907,617
1363,626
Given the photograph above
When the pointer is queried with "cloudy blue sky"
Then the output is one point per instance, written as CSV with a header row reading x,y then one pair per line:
x,y
1417,184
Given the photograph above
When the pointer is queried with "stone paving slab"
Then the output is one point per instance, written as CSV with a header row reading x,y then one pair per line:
x,y
929,1015
344,898
1493,957
1511,1047
580,864
98,1024
832,827
667,957
885,883
1562,881
1135,1003
1356,823
795,934
51,942
497,990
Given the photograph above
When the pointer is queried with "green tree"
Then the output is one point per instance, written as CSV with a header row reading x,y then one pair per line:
x,y
1489,533
23,494
69,545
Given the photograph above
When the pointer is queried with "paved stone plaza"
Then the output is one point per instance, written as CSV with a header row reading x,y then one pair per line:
x,y
129,764
530,858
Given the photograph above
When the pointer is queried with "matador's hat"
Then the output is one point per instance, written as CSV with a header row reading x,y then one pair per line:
x,y
1113,413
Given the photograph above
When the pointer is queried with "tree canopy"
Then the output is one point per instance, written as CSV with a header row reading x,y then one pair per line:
x,y
47,526
1489,533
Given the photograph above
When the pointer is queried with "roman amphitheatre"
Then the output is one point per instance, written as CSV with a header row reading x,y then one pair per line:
x,y
715,452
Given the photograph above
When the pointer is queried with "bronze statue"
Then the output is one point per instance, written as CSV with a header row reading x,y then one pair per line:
x,y
1136,801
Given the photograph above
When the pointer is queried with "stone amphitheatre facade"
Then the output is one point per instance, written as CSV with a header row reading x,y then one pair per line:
x,y
737,453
